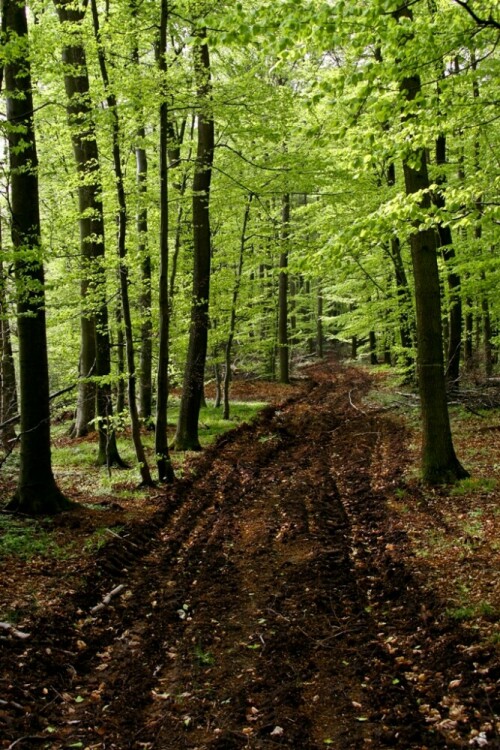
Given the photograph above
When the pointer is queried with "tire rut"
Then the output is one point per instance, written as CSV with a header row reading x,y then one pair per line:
x,y
254,630
266,605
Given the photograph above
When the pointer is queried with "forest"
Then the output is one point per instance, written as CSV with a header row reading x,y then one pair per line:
x,y
195,190
249,379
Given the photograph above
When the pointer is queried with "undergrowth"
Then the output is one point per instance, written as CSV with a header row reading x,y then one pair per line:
x,y
26,539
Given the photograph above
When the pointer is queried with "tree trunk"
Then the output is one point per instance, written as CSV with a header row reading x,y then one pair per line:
x,y
122,254
404,301
234,302
94,314
145,297
186,437
145,294
218,385
78,110
37,491
478,232
120,348
453,278
319,325
284,358
180,187
405,314
354,347
439,462
107,454
373,348
487,333
8,388
469,334
86,399
163,462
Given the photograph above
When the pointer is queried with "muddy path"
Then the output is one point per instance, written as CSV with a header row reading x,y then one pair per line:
x,y
270,603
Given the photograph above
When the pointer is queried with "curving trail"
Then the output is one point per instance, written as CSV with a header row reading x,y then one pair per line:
x,y
271,603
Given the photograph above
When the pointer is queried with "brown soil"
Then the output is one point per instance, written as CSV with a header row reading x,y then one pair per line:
x,y
271,599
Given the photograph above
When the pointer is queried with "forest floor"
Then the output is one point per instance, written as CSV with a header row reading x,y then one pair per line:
x,y
296,588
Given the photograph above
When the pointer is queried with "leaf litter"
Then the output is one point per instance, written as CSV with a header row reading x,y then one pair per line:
x,y
318,609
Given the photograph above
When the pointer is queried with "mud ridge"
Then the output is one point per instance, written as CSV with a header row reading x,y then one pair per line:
x,y
268,603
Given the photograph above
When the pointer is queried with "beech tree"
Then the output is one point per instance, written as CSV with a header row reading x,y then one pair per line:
x,y
186,437
163,462
366,178
37,491
8,387
283,325
95,358
439,462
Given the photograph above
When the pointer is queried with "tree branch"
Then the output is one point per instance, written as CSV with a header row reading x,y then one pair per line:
x,y
52,396
484,22
252,163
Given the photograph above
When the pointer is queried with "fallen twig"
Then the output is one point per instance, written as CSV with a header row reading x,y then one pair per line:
x,y
107,599
354,405
27,737
5,704
413,396
123,539
14,631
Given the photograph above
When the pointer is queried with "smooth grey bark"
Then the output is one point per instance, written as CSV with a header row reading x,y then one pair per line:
x,y
180,187
487,333
319,325
354,347
37,491
122,217
372,338
454,342
120,361
145,296
283,347
186,437
232,317
485,308
95,323
439,462
218,385
163,461
8,387
469,334
73,58
403,294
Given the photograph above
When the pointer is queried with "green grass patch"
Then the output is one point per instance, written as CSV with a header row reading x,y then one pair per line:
x,y
472,611
99,538
78,455
74,462
204,658
466,612
27,539
211,424
473,485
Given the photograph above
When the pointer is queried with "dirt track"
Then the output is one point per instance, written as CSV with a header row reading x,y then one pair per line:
x,y
270,603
